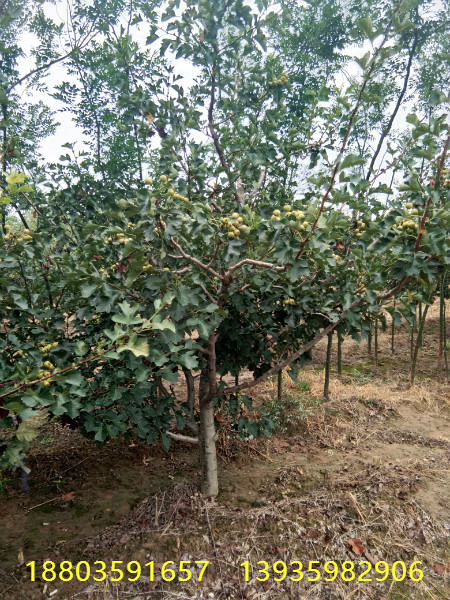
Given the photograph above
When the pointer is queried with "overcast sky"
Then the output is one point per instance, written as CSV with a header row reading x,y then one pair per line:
x,y
67,131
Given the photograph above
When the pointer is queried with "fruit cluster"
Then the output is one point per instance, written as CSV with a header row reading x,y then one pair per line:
x,y
120,238
361,225
408,226
288,212
283,80
25,237
290,301
171,192
44,350
235,225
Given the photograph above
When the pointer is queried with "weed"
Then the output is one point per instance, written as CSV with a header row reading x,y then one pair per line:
x,y
295,406
359,378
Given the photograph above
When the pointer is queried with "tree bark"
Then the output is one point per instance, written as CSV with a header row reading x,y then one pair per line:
x,y
207,434
326,387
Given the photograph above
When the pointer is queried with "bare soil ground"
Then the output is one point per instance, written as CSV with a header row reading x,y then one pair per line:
x,y
372,464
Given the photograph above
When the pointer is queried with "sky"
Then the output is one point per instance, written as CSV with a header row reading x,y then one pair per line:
x,y
67,131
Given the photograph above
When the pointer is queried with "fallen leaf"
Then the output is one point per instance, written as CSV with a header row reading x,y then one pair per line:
x,y
371,558
441,569
20,557
69,496
312,533
357,546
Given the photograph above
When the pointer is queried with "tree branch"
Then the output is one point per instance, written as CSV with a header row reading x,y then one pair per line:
x,y
194,260
182,438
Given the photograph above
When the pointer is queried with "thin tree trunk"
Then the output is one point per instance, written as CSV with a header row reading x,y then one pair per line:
x,y
376,344
418,344
393,331
326,387
388,127
207,434
369,340
339,355
441,320
279,386
411,339
446,361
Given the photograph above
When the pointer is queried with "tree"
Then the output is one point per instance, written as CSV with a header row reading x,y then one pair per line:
x,y
218,264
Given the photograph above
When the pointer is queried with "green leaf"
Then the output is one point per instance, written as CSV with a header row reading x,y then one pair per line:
x,y
136,346
26,432
366,26
88,289
352,160
166,440
75,379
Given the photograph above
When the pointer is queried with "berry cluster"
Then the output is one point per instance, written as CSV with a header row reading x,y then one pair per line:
x,y
235,225
10,236
282,81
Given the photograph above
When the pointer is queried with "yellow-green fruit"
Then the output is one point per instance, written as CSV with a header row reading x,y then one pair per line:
x,y
26,231
163,178
276,212
235,215
47,383
171,192
148,180
166,269
287,207
225,220
122,240
414,211
239,219
409,205
231,234
358,235
305,224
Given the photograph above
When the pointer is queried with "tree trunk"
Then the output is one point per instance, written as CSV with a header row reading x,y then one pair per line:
x,y
279,386
339,355
418,345
393,331
207,446
326,387
207,434
376,344
441,320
